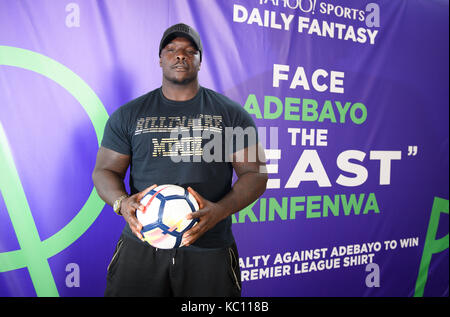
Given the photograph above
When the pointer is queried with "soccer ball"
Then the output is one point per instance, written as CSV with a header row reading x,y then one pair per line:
x,y
164,220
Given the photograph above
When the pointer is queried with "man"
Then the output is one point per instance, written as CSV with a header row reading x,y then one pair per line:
x,y
138,135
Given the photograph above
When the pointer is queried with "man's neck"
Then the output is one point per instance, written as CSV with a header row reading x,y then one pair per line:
x,y
180,92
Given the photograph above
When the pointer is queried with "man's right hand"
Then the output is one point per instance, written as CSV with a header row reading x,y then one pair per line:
x,y
128,209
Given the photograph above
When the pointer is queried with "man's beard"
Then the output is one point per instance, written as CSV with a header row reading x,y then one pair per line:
x,y
181,82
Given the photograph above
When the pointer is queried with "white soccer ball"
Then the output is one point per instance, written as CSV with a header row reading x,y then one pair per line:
x,y
164,220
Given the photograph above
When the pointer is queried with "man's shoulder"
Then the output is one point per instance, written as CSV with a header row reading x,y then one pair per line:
x,y
222,100
136,103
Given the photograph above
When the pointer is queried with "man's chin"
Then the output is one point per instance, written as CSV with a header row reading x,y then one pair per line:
x,y
181,81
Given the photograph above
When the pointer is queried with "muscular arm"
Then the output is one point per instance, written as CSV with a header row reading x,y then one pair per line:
x,y
108,176
251,183
109,173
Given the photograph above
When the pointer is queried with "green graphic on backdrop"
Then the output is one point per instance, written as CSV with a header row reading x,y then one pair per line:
x,y
34,253
431,246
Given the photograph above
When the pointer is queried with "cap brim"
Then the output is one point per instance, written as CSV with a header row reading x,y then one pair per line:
x,y
173,35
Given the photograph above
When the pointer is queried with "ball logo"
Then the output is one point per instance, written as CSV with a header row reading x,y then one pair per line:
x,y
34,253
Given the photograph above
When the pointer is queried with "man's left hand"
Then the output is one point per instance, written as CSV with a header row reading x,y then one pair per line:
x,y
208,215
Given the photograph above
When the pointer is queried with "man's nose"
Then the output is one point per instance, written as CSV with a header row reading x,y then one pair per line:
x,y
181,55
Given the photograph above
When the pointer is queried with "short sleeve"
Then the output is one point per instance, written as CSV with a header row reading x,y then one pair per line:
x,y
245,133
116,136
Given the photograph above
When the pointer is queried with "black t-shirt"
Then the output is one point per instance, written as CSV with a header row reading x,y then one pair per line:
x,y
167,141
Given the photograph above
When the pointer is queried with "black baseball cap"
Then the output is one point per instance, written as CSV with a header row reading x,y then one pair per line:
x,y
182,30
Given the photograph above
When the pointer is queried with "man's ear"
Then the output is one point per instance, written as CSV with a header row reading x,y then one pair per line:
x,y
160,62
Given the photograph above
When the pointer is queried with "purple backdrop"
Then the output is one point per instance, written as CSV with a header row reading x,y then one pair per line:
x,y
370,78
